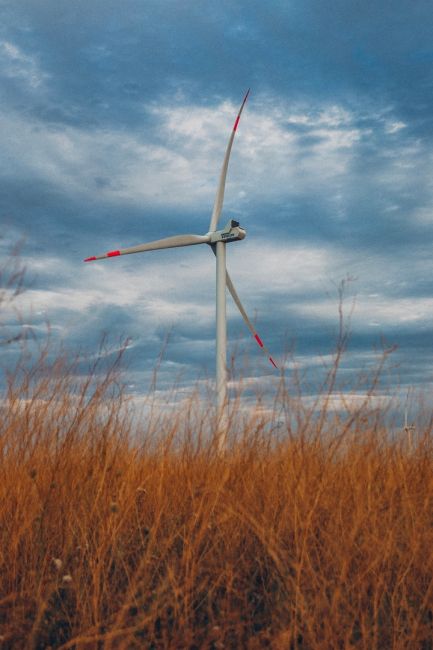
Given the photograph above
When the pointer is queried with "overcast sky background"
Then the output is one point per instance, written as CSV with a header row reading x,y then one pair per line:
x,y
114,121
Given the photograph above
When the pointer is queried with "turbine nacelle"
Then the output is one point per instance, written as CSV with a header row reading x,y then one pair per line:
x,y
231,232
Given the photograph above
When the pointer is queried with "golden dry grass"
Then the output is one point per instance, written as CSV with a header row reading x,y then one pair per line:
x,y
114,536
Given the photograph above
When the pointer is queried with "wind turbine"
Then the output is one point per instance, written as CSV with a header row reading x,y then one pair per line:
x,y
217,240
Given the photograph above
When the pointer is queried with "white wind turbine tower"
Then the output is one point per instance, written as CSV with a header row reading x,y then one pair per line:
x,y
217,239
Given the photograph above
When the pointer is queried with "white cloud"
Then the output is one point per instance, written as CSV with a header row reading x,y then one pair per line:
x,y
15,64
394,127
271,267
269,156
385,312
269,159
182,293
274,281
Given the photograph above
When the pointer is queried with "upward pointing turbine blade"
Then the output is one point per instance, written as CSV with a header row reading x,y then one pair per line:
x,y
219,199
168,242
249,324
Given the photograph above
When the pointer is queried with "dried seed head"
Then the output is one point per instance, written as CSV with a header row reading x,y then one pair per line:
x,y
57,563
67,578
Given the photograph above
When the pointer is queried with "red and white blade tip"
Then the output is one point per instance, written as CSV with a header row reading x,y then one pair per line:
x,y
260,343
240,110
110,254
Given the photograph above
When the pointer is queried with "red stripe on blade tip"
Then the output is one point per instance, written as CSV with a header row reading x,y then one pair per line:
x,y
239,115
90,259
273,362
259,340
113,253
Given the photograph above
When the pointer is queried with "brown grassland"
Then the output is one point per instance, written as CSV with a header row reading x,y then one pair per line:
x,y
117,534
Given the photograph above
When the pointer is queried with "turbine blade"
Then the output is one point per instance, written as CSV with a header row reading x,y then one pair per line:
x,y
222,182
249,324
168,242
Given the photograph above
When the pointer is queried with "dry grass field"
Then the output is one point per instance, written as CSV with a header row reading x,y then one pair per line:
x,y
313,529
118,535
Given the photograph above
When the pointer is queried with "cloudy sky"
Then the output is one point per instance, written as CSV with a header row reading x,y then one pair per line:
x,y
113,126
